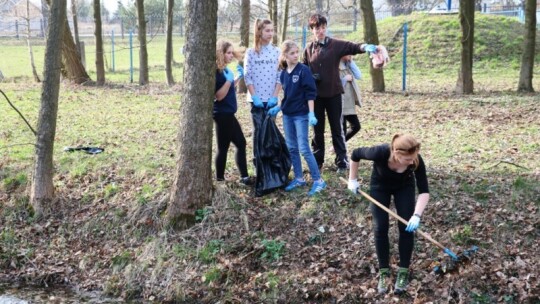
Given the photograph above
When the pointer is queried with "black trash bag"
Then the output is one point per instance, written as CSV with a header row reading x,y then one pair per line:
x,y
272,158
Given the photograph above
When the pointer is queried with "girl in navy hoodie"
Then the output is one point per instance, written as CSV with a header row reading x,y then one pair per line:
x,y
227,127
297,106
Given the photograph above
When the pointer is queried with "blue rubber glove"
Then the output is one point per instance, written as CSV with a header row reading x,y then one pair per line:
x,y
370,48
272,102
240,71
229,76
273,111
312,120
413,224
257,101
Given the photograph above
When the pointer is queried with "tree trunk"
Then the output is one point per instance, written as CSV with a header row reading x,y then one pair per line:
x,y
355,16
45,14
73,68
527,59
319,6
285,21
244,39
372,36
192,188
143,53
273,16
28,35
465,83
244,23
169,49
42,190
100,66
275,20
75,25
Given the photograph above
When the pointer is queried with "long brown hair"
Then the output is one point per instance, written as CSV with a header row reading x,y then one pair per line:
x,y
406,145
221,48
257,31
286,46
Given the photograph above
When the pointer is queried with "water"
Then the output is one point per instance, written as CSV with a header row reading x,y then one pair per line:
x,y
31,295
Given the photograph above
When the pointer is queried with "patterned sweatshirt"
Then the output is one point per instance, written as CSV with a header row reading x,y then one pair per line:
x,y
261,71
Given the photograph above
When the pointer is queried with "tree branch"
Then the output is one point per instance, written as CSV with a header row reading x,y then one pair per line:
x,y
20,114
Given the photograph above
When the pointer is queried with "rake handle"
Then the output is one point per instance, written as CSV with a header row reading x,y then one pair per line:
x,y
396,216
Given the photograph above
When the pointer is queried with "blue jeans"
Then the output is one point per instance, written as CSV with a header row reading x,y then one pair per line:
x,y
296,136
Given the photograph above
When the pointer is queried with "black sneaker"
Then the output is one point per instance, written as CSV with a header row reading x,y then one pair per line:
x,y
248,181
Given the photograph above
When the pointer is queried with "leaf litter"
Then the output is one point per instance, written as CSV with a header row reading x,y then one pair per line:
x,y
121,246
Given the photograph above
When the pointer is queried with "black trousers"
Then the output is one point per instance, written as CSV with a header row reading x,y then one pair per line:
x,y
354,122
404,200
332,106
228,130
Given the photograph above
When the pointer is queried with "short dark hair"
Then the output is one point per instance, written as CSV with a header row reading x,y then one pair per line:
x,y
317,20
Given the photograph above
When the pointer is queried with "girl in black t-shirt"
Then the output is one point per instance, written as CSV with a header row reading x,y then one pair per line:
x,y
227,127
396,169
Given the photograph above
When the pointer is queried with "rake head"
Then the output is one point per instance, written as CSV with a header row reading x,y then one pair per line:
x,y
452,263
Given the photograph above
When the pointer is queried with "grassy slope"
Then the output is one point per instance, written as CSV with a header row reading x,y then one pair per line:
x,y
481,152
434,50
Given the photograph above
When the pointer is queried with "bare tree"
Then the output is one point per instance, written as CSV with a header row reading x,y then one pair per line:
x,y
244,37
191,189
28,35
529,41
100,67
273,15
354,7
465,83
169,48
285,20
72,66
75,25
143,52
371,36
42,189
244,23
45,14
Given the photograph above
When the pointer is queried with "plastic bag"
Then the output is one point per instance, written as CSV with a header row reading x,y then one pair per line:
x,y
381,58
272,158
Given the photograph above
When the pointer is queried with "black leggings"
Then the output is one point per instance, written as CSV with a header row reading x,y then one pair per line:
x,y
228,130
404,200
355,125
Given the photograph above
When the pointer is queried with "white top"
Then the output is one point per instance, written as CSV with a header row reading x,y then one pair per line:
x,y
261,70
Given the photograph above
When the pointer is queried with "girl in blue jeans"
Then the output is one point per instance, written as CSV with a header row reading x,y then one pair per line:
x,y
297,107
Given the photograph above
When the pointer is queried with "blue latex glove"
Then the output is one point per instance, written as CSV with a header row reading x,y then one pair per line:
x,y
257,101
370,48
413,224
272,102
312,119
273,111
229,76
240,71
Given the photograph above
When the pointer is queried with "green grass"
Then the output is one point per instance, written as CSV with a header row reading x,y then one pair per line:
x,y
14,59
434,49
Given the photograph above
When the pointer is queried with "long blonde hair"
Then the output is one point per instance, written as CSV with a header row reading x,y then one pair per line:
x,y
221,48
286,46
257,31
406,145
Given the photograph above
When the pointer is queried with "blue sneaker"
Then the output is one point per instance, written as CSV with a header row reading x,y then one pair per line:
x,y
295,184
317,187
